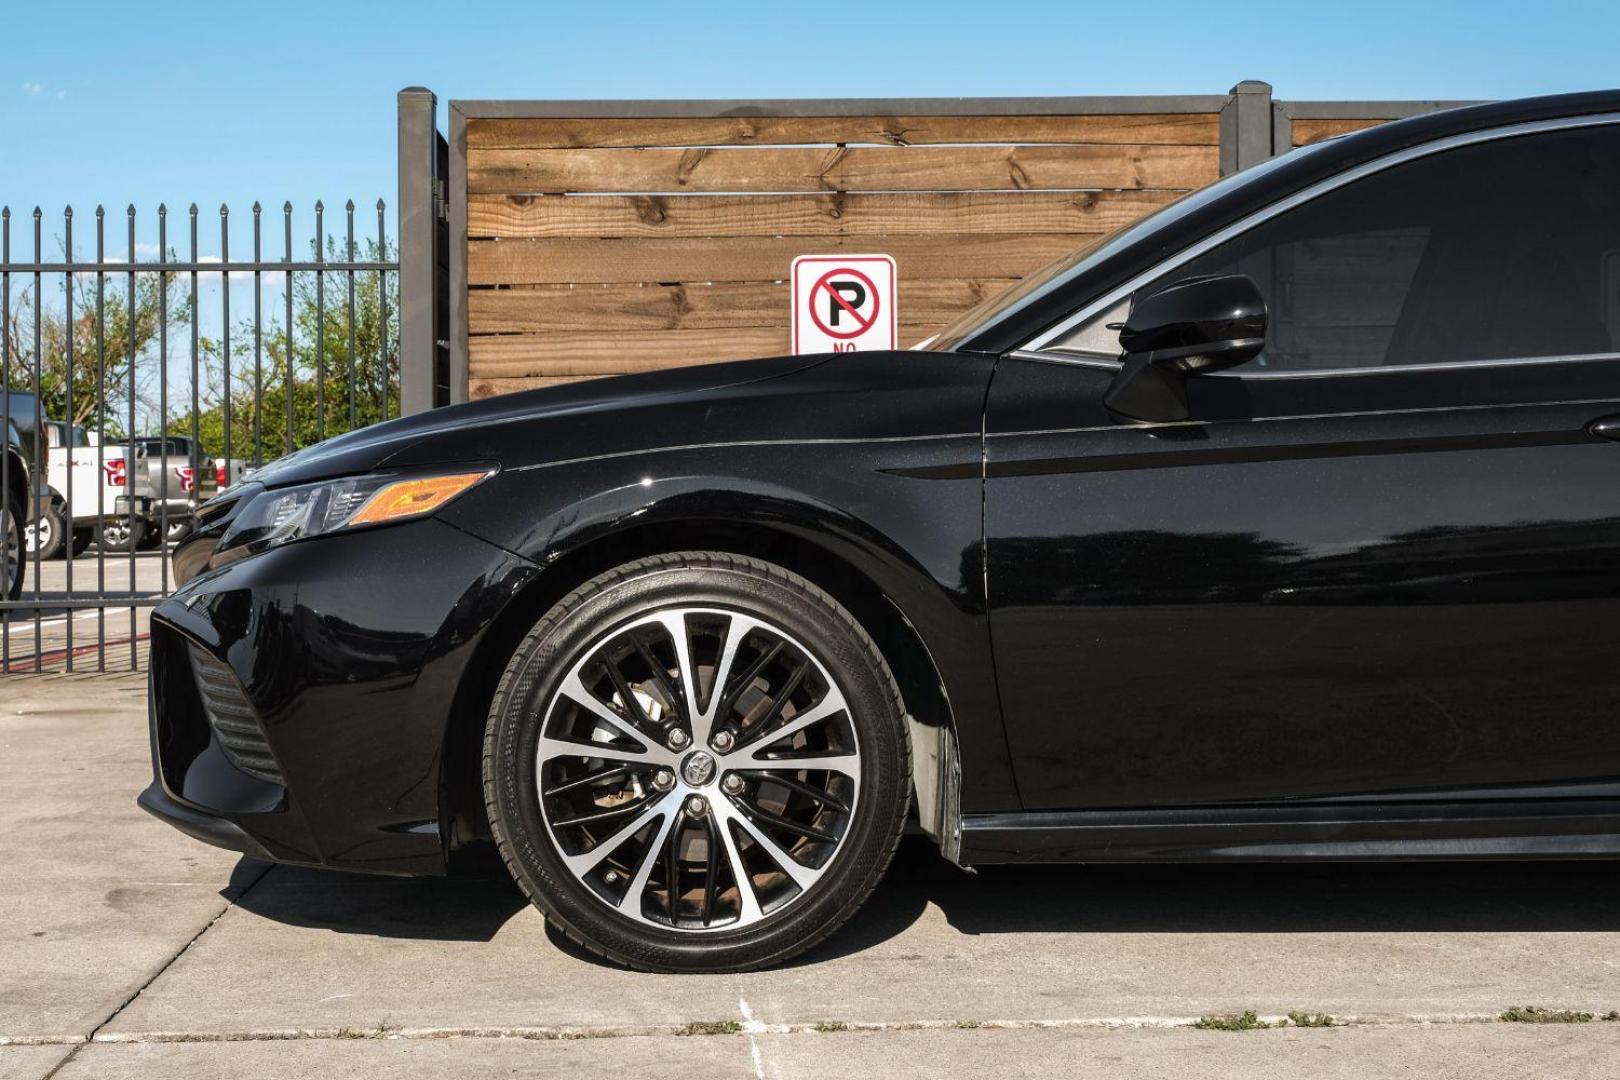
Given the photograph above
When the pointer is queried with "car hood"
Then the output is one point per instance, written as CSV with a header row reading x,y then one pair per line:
x,y
391,443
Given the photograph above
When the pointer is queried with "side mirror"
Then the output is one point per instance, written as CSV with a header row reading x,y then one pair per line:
x,y
1197,325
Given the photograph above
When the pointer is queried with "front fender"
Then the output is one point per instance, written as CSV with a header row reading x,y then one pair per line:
x,y
904,515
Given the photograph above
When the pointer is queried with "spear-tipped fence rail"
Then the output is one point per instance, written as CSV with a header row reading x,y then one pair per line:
x,y
56,360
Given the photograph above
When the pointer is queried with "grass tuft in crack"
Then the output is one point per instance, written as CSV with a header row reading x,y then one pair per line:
x,y
967,1025
1243,1021
711,1027
1310,1020
1532,1014
828,1026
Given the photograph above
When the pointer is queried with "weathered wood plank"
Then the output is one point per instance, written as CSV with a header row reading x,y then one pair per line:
x,y
840,214
1187,129
752,258
861,168
690,307
506,356
1306,132
618,352
483,388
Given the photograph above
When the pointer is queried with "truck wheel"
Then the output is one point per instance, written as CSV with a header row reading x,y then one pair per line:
x,y
118,534
81,539
11,546
44,537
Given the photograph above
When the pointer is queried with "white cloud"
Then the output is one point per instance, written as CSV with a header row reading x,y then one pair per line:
x,y
33,89
269,278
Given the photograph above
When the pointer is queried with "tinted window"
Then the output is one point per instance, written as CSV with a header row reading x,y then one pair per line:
x,y
1506,249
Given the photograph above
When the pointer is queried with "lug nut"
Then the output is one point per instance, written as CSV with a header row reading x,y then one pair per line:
x,y
663,779
732,784
697,806
611,877
678,738
723,741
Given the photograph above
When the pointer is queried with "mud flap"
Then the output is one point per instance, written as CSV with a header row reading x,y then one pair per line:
x,y
936,783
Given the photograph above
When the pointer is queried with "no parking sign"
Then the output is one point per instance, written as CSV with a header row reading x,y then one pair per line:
x,y
844,303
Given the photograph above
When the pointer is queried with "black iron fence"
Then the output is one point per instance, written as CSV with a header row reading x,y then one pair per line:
x,y
141,372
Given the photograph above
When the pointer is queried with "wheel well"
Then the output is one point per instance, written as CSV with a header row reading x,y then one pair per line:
x,y
921,687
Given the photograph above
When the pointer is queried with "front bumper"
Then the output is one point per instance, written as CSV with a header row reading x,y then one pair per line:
x,y
209,828
300,699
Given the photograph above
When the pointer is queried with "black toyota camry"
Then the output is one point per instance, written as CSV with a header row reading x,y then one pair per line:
x,y
1284,524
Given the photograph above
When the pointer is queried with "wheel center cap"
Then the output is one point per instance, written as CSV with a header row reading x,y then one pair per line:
x,y
698,768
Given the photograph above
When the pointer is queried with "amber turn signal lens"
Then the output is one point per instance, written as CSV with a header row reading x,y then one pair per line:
x,y
407,498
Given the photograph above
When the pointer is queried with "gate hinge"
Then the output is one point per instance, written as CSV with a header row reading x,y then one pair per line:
x,y
441,199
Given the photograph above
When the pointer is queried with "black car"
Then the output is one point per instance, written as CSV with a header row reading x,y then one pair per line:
x,y
1282,525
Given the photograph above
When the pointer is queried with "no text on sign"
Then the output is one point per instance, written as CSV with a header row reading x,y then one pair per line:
x,y
844,303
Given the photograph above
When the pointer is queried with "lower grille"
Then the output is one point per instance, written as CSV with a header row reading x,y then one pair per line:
x,y
236,726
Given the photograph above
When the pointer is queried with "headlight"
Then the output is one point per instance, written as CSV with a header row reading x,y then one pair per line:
x,y
275,517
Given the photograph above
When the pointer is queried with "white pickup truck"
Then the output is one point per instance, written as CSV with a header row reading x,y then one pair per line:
x,y
102,493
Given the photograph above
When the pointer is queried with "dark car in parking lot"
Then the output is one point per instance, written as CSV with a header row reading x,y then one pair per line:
x,y
1282,525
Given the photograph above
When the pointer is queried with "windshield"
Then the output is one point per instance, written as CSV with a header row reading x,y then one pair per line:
x,y
1077,262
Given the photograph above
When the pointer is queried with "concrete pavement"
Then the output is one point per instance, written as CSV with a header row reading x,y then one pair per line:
x,y
129,950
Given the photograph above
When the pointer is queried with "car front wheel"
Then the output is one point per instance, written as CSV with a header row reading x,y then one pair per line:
x,y
696,762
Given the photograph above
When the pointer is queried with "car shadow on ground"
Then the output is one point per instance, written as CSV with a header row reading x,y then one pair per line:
x,y
1191,898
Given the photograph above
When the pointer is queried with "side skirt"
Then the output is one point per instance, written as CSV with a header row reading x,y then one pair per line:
x,y
1550,829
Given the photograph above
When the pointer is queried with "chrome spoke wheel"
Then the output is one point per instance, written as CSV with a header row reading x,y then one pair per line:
x,y
697,769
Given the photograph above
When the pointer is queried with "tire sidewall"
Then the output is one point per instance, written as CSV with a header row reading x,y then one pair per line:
x,y
11,588
582,621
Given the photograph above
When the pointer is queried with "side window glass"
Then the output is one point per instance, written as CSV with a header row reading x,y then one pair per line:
x,y
1503,250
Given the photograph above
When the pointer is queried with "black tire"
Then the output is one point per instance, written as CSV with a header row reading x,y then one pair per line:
x,y
12,564
47,536
749,587
82,536
120,535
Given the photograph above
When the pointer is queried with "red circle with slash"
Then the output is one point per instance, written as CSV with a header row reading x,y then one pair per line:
x,y
825,282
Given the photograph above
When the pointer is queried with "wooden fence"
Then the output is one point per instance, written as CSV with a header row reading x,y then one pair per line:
x,y
599,238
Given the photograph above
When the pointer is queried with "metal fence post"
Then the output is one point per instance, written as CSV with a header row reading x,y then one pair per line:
x,y
422,299
1246,127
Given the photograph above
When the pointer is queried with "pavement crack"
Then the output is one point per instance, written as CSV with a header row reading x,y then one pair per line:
x,y
232,897
753,1029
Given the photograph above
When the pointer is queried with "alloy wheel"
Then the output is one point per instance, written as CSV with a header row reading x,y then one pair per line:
x,y
37,535
697,769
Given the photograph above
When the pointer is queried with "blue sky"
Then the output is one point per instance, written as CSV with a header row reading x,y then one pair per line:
x,y
229,101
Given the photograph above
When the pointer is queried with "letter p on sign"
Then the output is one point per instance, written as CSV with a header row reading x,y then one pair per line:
x,y
844,303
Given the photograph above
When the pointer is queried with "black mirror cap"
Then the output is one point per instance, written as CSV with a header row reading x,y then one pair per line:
x,y
1197,324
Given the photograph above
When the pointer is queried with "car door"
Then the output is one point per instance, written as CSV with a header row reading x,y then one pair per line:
x,y
1382,560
